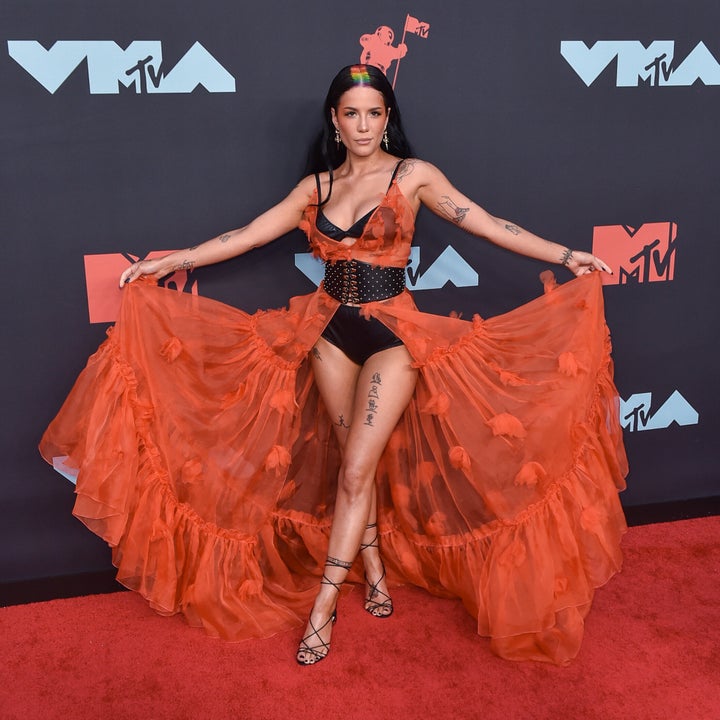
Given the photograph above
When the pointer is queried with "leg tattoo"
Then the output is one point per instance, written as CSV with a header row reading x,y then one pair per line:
x,y
372,399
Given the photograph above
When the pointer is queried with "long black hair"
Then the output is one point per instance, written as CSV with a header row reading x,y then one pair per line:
x,y
324,153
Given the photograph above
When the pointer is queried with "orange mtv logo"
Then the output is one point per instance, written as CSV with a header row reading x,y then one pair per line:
x,y
102,273
637,256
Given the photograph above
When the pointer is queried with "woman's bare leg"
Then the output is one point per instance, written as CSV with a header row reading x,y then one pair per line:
x,y
336,379
377,598
380,392
339,398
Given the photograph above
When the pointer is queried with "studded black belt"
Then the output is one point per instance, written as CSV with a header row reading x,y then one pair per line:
x,y
352,282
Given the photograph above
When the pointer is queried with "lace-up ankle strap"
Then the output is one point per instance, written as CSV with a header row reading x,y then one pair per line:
x,y
335,562
374,542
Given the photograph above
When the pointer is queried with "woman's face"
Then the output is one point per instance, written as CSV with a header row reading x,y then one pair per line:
x,y
361,118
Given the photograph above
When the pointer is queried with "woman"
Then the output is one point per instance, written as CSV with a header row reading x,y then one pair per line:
x,y
449,524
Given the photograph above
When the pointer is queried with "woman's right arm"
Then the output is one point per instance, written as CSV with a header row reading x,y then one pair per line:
x,y
272,224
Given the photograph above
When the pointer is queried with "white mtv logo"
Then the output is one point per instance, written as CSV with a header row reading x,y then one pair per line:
x,y
108,65
449,267
635,412
636,62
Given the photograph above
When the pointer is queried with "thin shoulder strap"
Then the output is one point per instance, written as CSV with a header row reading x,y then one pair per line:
x,y
319,189
395,172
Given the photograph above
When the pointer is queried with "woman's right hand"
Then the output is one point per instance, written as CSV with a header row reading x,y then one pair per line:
x,y
156,267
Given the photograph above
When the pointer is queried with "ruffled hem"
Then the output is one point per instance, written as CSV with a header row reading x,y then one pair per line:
x,y
529,581
221,509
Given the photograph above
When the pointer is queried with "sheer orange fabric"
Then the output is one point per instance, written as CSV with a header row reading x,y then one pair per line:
x,y
204,457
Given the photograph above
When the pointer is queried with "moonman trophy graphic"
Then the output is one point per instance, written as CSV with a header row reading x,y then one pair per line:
x,y
378,50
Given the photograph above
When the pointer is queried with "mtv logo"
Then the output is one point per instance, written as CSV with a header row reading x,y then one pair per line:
x,y
655,64
139,65
449,267
636,412
102,275
637,256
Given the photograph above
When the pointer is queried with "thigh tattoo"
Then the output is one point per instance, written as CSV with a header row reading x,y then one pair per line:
x,y
373,397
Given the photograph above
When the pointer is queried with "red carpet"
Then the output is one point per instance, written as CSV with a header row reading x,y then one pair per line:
x,y
651,652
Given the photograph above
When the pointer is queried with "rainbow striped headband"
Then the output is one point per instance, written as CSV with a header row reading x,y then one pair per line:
x,y
360,75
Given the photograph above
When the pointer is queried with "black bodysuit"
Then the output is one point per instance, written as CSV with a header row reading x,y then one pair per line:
x,y
358,337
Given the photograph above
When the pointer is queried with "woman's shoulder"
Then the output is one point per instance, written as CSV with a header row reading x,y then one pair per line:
x,y
415,173
309,182
318,181
308,186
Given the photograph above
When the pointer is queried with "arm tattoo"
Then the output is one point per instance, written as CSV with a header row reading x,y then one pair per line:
x,y
224,238
405,169
194,247
341,422
451,211
317,356
185,265
514,229
567,256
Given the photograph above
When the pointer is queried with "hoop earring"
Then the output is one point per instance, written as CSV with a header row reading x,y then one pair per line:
x,y
337,138
386,140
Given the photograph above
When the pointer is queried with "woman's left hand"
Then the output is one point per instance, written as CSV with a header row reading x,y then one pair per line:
x,y
581,263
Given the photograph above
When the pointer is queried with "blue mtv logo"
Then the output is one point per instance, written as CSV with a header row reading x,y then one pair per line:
x,y
655,64
449,267
139,66
636,412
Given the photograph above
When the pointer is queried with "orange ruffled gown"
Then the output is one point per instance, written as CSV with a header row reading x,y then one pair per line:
x,y
205,458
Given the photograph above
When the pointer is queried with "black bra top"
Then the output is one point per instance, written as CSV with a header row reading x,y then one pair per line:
x,y
332,231
329,229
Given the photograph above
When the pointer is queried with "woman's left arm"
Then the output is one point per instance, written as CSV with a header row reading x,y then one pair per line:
x,y
435,191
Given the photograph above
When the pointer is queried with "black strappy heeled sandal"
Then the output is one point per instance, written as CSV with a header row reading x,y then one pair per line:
x,y
378,608
308,654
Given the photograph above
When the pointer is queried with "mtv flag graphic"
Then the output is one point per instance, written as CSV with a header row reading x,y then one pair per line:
x,y
416,27
642,255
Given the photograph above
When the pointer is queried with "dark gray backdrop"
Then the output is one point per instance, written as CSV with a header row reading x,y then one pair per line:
x,y
486,95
